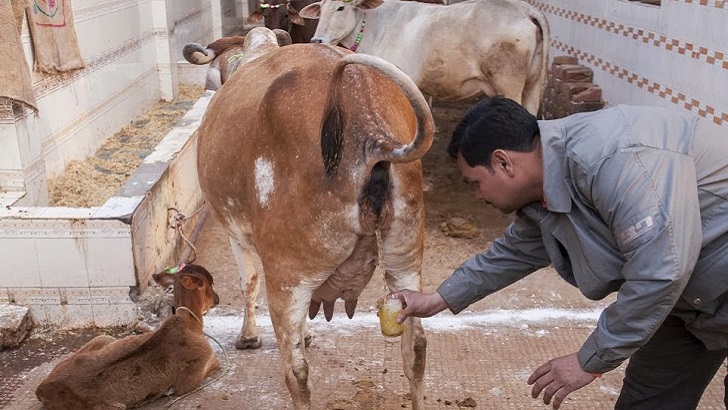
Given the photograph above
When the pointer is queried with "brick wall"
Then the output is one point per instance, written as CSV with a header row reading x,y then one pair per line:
x,y
570,89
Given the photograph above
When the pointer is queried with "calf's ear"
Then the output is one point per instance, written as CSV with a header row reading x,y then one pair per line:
x,y
164,279
295,17
312,11
191,282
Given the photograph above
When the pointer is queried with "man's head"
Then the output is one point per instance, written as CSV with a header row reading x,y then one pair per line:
x,y
497,145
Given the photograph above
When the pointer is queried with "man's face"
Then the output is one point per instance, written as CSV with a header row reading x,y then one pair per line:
x,y
497,186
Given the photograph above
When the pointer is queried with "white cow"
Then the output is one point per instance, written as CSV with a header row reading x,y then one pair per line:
x,y
454,52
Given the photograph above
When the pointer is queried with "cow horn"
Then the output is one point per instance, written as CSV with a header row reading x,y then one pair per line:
x,y
197,54
422,140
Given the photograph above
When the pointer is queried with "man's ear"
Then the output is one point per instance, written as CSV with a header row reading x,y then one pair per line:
x,y
502,161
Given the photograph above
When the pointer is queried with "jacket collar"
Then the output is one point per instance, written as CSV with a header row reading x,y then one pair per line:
x,y
555,179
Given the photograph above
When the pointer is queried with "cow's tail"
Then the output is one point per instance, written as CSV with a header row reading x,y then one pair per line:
x,y
333,128
195,53
540,62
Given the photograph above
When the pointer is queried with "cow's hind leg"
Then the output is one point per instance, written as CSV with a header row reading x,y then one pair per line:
x,y
414,356
288,309
414,342
250,284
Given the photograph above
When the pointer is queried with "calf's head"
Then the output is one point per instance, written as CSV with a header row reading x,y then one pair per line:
x,y
276,14
192,287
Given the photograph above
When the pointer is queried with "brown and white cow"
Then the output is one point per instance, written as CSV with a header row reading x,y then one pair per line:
x,y
303,156
283,14
454,52
107,373
223,55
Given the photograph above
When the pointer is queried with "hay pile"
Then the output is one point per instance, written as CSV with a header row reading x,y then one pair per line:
x,y
92,181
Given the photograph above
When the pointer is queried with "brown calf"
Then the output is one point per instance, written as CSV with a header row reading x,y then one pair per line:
x,y
107,373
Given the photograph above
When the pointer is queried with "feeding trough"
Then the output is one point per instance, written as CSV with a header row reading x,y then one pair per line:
x,y
77,267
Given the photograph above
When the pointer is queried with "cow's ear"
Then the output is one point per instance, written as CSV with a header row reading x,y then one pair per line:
x,y
295,17
283,37
368,4
255,17
312,11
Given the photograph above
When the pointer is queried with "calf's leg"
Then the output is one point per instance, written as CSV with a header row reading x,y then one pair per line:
x,y
194,374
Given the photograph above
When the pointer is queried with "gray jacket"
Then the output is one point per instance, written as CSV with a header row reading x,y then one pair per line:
x,y
637,203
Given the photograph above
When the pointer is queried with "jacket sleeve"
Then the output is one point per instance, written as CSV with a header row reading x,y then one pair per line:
x,y
649,199
518,253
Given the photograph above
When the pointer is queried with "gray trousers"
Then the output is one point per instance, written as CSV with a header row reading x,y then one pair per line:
x,y
670,372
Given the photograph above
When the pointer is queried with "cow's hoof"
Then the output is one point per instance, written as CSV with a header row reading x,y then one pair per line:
x,y
242,343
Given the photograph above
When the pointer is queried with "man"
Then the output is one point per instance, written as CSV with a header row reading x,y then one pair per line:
x,y
632,200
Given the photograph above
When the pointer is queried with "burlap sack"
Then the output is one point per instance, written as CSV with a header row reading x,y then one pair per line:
x,y
54,36
15,82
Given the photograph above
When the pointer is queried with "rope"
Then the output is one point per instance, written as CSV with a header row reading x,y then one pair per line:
x,y
220,376
178,219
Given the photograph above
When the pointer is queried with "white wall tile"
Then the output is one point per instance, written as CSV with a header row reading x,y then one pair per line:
x,y
116,315
62,261
36,296
69,316
5,296
20,263
109,295
110,262
75,296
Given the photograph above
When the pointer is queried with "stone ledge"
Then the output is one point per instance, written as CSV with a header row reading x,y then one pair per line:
x,y
15,324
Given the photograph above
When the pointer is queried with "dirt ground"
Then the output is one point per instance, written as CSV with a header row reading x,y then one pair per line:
x,y
480,358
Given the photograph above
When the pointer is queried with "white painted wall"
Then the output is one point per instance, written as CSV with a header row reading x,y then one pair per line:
x,y
675,54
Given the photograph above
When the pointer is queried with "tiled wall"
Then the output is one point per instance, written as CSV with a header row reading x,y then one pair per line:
x,y
674,54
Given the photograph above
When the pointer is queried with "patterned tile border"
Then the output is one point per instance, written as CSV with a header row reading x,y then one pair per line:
x,y
718,4
714,57
103,8
676,97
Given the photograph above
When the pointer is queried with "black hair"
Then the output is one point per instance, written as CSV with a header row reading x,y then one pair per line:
x,y
491,124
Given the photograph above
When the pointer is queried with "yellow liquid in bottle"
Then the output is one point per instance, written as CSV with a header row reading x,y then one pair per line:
x,y
389,309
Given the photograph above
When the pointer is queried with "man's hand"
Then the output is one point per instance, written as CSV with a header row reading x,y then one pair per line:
x,y
419,304
557,378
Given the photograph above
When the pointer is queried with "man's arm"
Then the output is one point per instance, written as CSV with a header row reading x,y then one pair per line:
x,y
514,256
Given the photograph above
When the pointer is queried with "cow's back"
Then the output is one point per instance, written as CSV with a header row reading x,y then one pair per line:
x,y
259,154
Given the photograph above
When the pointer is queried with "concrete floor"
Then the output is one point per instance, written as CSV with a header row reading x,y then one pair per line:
x,y
482,356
